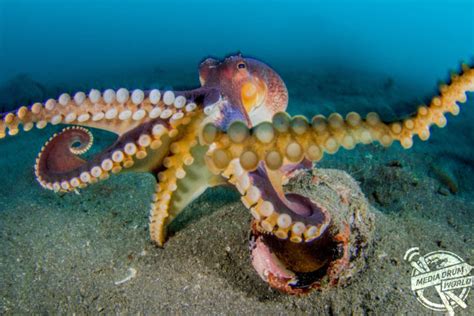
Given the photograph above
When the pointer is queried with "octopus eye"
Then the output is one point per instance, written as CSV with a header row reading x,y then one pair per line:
x,y
241,65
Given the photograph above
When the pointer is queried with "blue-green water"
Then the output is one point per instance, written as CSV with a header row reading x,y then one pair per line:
x,y
76,41
62,253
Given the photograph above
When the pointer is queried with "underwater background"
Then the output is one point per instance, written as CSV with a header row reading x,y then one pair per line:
x,y
63,253
80,41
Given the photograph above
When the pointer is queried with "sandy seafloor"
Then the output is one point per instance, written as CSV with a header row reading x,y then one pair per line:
x,y
64,253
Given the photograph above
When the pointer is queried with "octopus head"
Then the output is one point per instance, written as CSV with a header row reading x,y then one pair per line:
x,y
250,87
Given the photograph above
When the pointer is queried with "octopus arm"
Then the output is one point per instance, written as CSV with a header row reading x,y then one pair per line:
x,y
116,111
184,177
59,166
289,140
177,187
285,214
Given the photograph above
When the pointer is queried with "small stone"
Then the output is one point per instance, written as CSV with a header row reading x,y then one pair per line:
x,y
382,255
443,191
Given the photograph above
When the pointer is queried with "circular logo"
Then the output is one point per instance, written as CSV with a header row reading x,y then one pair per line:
x,y
440,280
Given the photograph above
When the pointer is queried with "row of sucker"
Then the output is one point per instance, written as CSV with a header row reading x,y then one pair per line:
x,y
291,139
122,156
267,216
168,181
121,108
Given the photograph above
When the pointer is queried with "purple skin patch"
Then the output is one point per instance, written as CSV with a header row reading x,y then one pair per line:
x,y
291,168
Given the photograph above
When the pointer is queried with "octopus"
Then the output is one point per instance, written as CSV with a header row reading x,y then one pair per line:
x,y
232,130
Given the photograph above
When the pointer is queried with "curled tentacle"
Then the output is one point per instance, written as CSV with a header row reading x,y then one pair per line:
x,y
294,216
290,140
59,168
60,155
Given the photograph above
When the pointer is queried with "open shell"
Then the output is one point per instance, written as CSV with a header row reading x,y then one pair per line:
x,y
329,260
